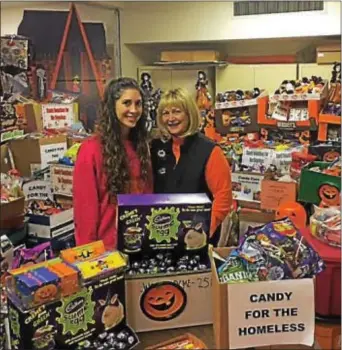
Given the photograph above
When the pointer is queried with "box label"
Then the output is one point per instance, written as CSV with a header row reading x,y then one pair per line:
x,y
274,192
271,313
52,153
57,116
152,228
37,190
246,187
62,180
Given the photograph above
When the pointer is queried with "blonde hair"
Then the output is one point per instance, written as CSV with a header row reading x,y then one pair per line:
x,y
182,99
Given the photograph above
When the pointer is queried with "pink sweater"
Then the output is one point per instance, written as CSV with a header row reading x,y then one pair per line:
x,y
94,207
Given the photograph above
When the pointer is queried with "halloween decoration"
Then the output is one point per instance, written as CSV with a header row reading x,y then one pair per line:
x,y
66,61
14,52
331,156
152,99
305,86
299,160
113,312
329,195
294,211
163,301
237,95
203,98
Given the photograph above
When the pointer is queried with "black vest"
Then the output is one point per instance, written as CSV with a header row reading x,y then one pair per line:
x,y
188,175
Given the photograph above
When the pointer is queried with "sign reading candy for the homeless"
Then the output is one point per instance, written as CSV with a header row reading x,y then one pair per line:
x,y
37,190
271,313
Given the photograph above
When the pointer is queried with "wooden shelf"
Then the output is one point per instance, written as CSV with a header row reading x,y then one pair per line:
x,y
191,64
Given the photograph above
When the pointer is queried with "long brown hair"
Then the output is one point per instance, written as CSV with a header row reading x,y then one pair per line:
x,y
109,130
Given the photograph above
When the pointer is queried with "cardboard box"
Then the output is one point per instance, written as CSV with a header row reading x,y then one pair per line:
x,y
242,308
316,187
43,151
273,193
168,302
328,54
29,152
190,56
40,116
12,213
5,160
49,227
71,319
62,179
253,218
160,222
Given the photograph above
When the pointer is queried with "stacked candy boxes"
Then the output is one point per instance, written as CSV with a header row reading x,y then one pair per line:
x,y
76,297
49,281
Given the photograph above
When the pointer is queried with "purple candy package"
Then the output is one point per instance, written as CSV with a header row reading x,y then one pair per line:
x,y
31,256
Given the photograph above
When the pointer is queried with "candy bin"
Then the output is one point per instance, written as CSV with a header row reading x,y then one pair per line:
x,y
325,224
328,283
320,184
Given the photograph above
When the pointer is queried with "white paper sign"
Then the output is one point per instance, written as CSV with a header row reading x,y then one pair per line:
x,y
37,190
257,157
57,116
246,187
62,179
51,153
271,313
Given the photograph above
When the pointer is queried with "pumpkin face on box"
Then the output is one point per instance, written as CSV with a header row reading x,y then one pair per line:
x,y
331,156
163,301
45,293
330,195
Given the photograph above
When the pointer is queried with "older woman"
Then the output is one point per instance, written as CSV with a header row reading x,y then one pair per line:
x,y
185,161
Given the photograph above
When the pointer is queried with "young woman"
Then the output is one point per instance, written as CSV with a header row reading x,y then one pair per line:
x,y
114,161
188,162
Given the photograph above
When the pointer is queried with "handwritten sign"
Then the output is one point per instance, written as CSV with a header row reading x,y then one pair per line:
x,y
62,179
246,187
51,153
57,116
275,192
37,190
257,157
271,313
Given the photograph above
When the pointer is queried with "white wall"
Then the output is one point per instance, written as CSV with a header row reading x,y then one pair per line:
x,y
12,14
149,22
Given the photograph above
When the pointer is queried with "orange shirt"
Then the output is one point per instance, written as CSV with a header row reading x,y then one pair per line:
x,y
218,178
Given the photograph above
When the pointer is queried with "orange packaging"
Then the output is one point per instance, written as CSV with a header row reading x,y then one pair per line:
x,y
68,278
83,252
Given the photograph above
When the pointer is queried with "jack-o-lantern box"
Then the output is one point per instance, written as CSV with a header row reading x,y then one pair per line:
x,y
320,185
156,223
169,301
326,151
